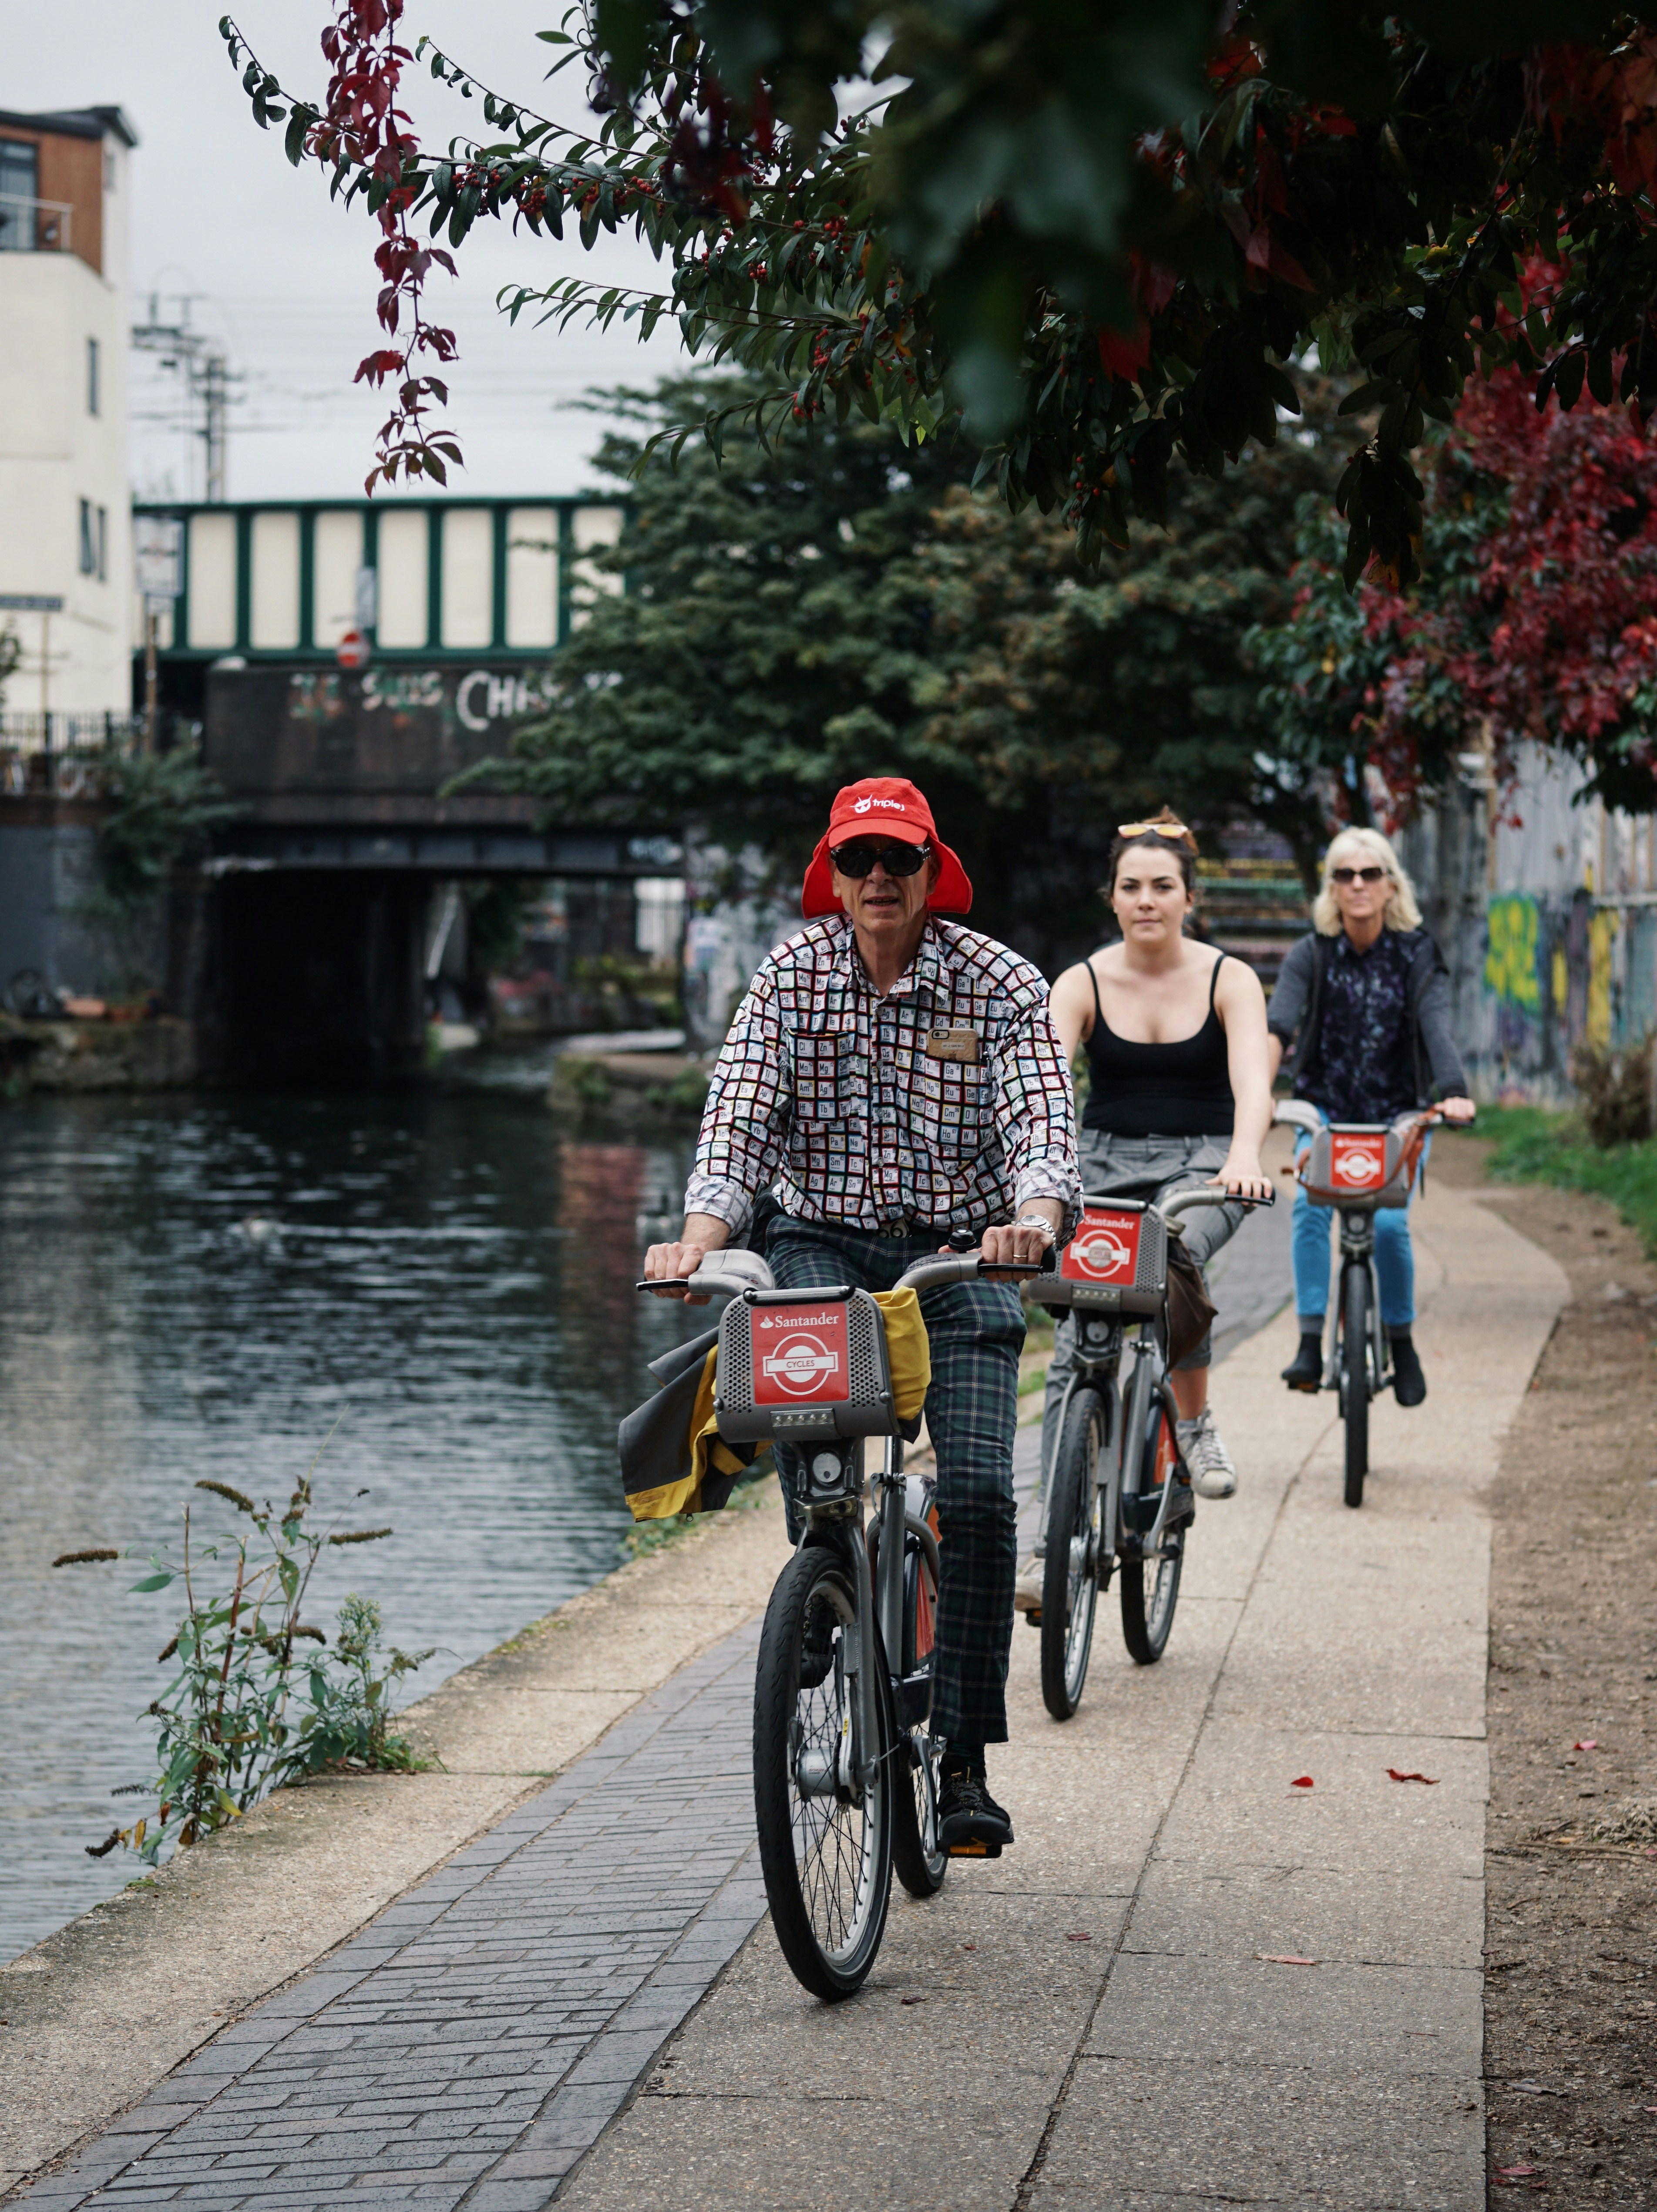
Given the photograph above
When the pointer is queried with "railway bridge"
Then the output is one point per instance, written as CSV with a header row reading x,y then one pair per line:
x,y
301,945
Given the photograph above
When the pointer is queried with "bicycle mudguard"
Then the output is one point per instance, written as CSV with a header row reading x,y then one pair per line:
x,y
1116,1262
1361,1165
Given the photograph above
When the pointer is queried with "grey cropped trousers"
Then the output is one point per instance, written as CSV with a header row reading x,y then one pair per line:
x,y
1147,1167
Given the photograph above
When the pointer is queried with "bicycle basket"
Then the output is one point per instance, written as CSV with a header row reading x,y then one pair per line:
x,y
1358,1164
801,1366
1116,1262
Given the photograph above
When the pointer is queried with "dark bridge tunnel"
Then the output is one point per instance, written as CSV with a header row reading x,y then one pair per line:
x,y
311,977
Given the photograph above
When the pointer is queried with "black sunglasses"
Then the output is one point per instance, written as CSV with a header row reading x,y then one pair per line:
x,y
856,858
1355,875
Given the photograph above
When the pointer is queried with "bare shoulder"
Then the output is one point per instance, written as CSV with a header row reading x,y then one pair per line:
x,y
1238,988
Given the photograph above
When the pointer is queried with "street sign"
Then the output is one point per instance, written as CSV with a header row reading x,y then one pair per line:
x,y
352,651
158,556
28,603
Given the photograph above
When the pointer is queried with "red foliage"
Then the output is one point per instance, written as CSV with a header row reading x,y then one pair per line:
x,y
1555,628
363,129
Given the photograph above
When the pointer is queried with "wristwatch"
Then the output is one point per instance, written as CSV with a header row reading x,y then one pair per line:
x,y
1035,1221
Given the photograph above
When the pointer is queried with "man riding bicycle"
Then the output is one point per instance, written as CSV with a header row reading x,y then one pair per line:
x,y
899,1078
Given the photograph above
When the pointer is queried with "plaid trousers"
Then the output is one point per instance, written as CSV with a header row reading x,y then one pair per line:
x,y
975,1332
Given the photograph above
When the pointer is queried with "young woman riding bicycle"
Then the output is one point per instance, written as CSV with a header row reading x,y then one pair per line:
x,y
1363,1004
1176,1042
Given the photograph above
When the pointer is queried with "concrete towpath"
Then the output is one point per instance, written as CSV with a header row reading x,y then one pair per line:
x,y
1191,1979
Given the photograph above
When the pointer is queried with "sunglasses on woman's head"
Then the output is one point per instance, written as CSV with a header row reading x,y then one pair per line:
x,y
856,858
1175,832
1355,875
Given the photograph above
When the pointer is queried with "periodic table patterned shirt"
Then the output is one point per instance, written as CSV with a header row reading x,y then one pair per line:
x,y
827,1088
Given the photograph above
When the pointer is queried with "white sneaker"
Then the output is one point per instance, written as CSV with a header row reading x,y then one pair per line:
x,y
1213,1474
1027,1590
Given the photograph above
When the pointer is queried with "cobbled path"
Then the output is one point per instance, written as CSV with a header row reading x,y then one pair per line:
x,y
473,2042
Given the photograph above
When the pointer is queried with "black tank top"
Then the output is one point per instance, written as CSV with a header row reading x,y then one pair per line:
x,y
1179,1090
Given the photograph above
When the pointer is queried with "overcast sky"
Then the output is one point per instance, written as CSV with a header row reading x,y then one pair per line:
x,y
286,279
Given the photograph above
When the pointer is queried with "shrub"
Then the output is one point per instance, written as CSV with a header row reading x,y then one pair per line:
x,y
1615,1083
225,1735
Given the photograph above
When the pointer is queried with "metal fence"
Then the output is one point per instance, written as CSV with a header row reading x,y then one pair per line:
x,y
65,755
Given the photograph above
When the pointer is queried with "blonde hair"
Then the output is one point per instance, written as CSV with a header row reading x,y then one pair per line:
x,y
1401,912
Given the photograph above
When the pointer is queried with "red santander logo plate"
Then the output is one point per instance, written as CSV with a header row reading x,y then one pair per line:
x,y
1357,1163
1105,1248
801,1355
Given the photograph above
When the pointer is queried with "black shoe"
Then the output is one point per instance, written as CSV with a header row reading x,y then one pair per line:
x,y
970,1823
816,1656
1409,1383
1305,1371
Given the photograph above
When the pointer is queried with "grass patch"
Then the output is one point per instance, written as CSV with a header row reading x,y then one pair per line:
x,y
651,1536
1534,1146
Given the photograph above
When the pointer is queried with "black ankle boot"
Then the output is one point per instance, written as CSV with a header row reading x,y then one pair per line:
x,y
1409,1383
1305,1371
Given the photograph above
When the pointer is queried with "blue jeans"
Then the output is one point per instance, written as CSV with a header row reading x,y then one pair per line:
x,y
1395,1260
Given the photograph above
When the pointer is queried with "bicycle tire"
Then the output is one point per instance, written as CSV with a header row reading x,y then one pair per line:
x,y
1148,1617
1355,1380
826,1859
919,1859
1070,1584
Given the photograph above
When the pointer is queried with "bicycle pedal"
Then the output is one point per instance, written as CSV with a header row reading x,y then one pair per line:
x,y
974,1849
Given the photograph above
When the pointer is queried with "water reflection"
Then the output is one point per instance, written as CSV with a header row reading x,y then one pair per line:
x,y
193,1286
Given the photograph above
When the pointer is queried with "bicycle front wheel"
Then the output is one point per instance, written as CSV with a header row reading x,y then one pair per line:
x,y
825,1838
1150,1588
921,1861
1070,1586
1355,1379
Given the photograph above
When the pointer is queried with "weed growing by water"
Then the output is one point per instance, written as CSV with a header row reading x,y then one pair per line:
x,y
230,1727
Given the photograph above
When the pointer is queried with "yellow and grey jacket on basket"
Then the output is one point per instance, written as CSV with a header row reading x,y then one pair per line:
x,y
674,1459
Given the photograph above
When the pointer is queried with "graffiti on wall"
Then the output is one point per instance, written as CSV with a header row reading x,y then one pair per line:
x,y
1512,949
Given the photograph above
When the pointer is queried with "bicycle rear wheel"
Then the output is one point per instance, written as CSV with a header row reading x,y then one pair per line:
x,y
1150,1588
921,1861
825,1840
1355,1379
1070,1586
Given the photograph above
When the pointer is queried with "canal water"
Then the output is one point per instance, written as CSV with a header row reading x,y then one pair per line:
x,y
435,1284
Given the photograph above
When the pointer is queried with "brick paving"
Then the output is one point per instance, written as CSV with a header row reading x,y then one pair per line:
x,y
471,2044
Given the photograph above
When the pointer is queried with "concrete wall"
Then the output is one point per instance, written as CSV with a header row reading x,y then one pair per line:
x,y
50,920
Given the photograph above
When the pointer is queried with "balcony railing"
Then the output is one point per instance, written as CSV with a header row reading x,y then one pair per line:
x,y
34,225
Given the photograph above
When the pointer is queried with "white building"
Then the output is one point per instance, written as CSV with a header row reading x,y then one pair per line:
x,y
64,285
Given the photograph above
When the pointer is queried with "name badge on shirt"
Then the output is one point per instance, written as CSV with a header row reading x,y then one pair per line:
x,y
946,1043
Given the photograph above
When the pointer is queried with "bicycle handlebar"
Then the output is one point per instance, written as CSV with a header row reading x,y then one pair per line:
x,y
925,1275
960,1268
1182,1201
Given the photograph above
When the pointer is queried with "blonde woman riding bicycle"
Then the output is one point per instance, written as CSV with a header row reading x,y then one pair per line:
x,y
1364,1005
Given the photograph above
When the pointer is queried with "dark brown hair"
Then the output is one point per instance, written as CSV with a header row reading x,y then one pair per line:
x,y
1129,835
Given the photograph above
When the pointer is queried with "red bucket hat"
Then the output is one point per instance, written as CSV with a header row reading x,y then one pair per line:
x,y
883,806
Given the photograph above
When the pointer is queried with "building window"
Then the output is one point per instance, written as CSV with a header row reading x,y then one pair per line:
x,y
103,544
88,540
92,376
19,189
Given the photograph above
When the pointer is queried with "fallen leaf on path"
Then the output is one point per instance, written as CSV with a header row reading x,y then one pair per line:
x,y
969,1947
1593,1744
1432,1780
1078,1939
1516,2172
1537,2089
1301,1782
911,1999
1284,1959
